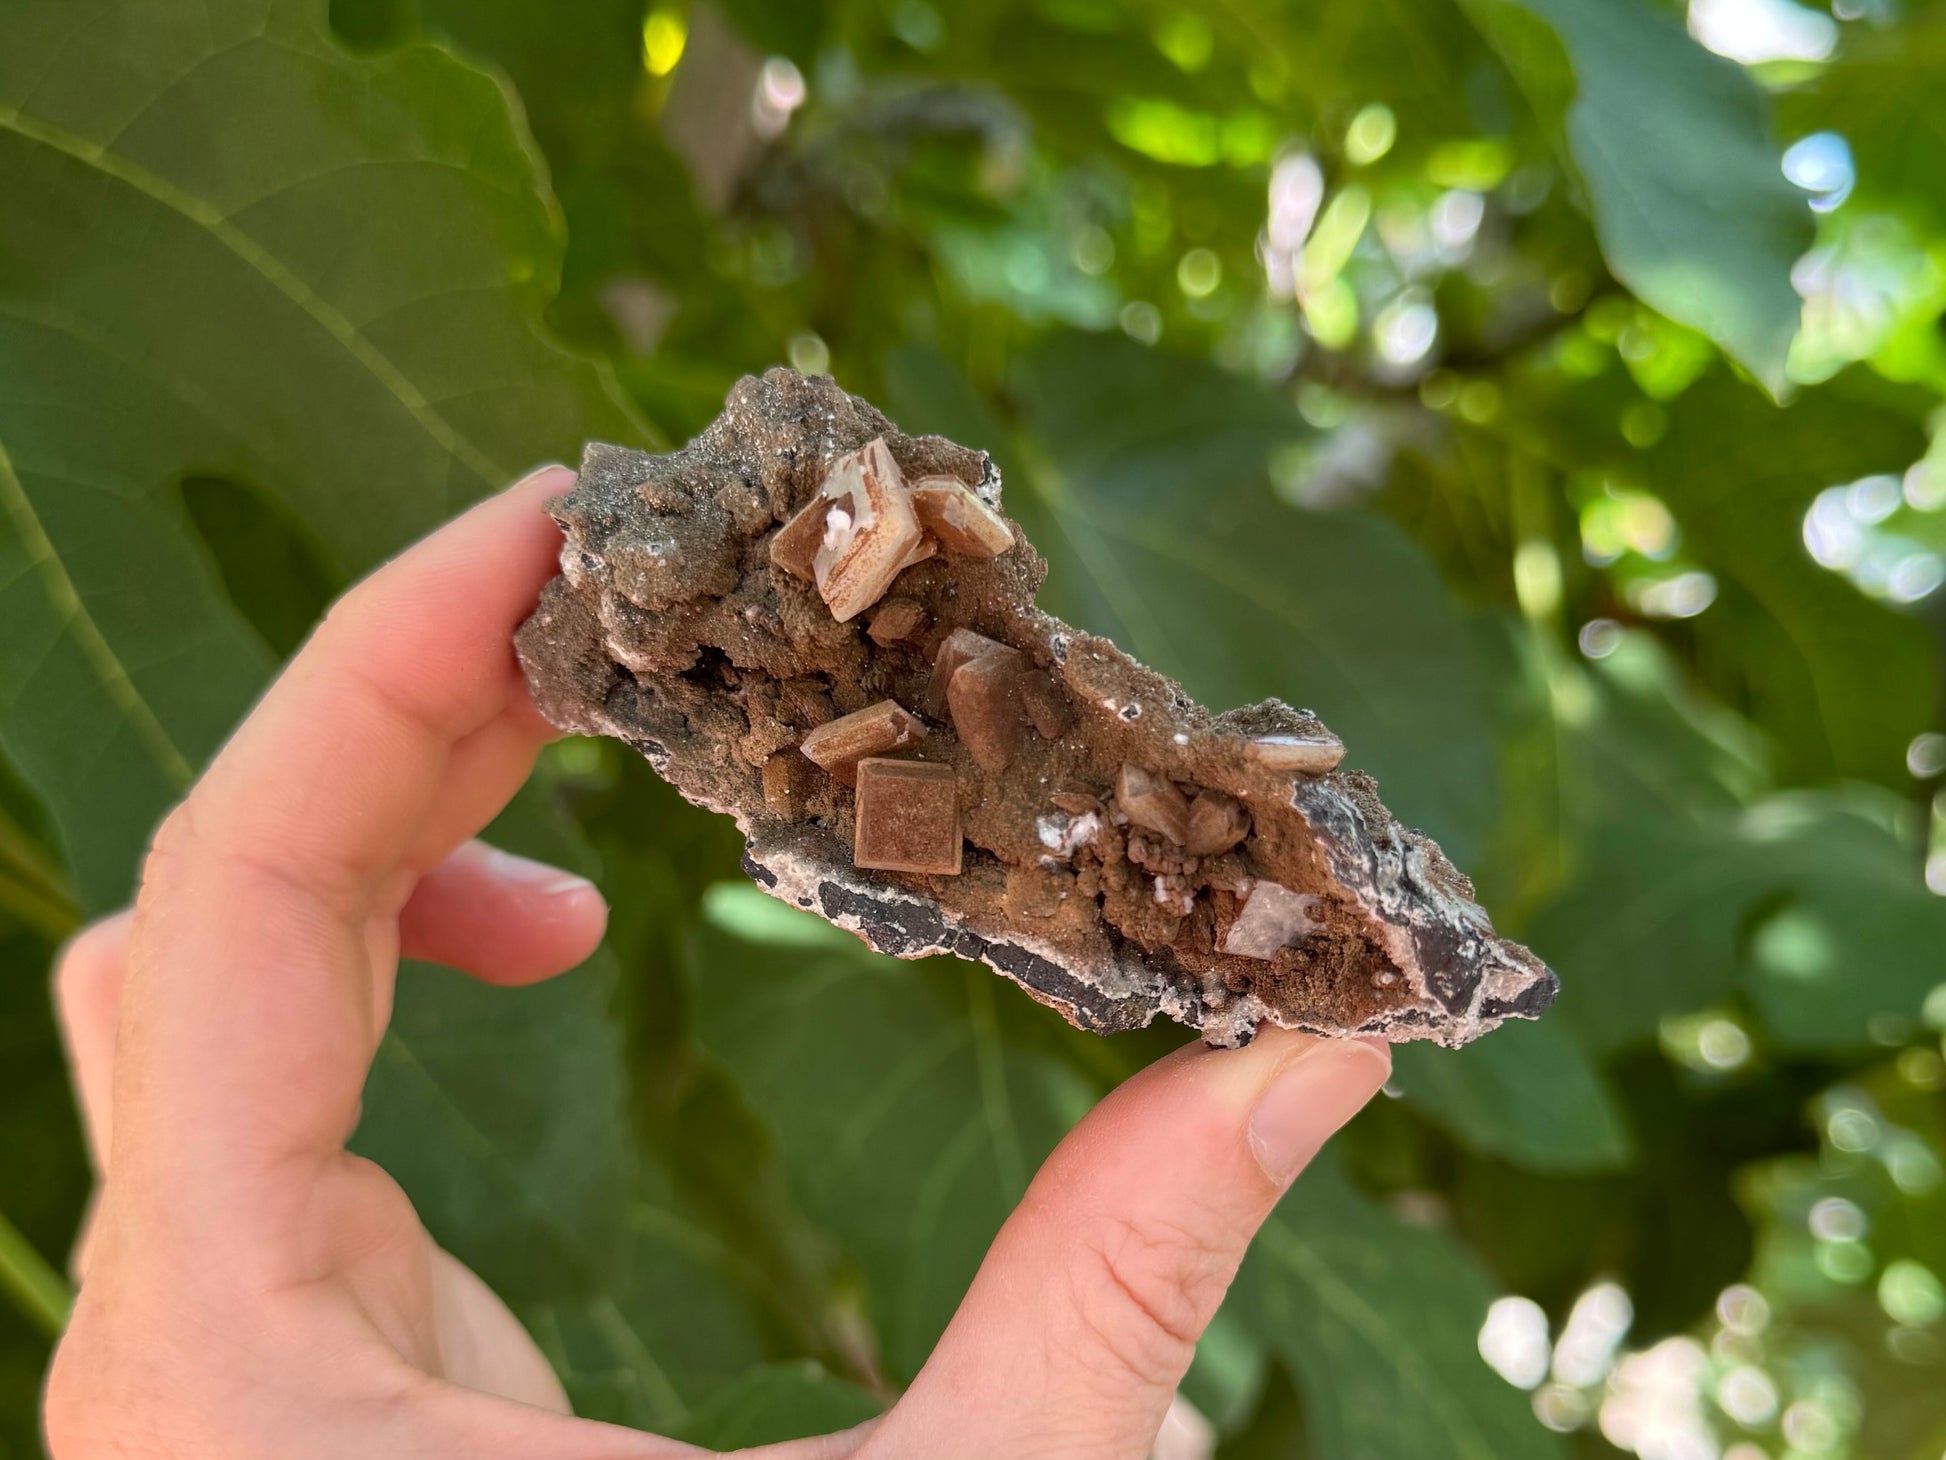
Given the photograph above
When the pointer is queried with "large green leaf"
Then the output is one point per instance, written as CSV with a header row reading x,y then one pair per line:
x,y
780,1402
1813,901
670,1329
908,1123
1672,147
1530,1094
1141,477
1379,1321
342,266
1844,683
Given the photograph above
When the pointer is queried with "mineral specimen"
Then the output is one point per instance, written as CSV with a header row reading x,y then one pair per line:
x,y
826,629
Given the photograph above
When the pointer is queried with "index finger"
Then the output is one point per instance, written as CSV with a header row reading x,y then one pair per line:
x,y
262,928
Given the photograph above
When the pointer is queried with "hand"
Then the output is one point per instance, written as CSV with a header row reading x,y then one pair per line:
x,y
249,1289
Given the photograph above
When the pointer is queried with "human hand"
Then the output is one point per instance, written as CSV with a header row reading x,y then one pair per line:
x,y
250,1289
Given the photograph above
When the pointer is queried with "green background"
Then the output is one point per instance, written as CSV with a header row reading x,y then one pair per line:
x,y
1476,372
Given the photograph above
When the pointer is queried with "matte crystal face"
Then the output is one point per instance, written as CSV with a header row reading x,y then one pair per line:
x,y
984,702
1153,802
1046,707
839,745
1217,822
896,621
907,818
1013,790
960,647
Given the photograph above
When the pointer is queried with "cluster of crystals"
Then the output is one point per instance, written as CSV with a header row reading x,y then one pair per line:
x,y
1181,837
865,526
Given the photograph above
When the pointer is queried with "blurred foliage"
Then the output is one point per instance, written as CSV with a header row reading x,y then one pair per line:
x,y
1551,404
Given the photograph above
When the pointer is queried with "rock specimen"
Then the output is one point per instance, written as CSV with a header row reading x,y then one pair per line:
x,y
826,629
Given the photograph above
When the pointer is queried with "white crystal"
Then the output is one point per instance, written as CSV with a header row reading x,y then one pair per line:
x,y
1272,918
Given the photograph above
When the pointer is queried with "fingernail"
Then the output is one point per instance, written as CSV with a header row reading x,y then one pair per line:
x,y
540,877
1307,1100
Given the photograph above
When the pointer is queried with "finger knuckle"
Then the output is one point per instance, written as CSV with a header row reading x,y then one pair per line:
x,y
1145,1287
171,845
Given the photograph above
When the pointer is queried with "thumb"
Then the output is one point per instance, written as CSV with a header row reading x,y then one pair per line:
x,y
1086,1312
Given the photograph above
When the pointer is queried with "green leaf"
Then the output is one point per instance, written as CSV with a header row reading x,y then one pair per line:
x,y
1530,1094
780,1402
670,1328
343,262
1811,900
501,1112
1379,1322
504,1112
1672,147
1141,478
907,1118
1842,682
1850,930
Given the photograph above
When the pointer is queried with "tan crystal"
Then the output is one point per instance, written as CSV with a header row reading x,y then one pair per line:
x,y
952,512
895,621
869,530
908,818
1045,705
924,548
958,647
839,745
795,547
985,705
783,779
1152,801
1313,755
1217,822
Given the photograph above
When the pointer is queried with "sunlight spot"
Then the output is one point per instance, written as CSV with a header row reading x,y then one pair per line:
x,y
1537,578
780,92
1834,1219
1755,31
1683,596
1186,39
1747,1395
1821,164
1455,220
663,37
1742,1309
1513,1340
1198,273
1596,1324
1371,134
1599,637
1406,328
1141,321
1654,1403
809,354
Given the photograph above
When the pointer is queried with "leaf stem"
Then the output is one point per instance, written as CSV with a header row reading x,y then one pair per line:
x,y
41,1294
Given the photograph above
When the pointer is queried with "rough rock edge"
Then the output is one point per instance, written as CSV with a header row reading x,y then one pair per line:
x,y
1466,980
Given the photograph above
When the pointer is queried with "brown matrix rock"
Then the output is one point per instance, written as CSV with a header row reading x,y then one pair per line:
x,y
826,629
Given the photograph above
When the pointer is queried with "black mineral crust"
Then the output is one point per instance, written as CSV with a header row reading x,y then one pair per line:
x,y
825,628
